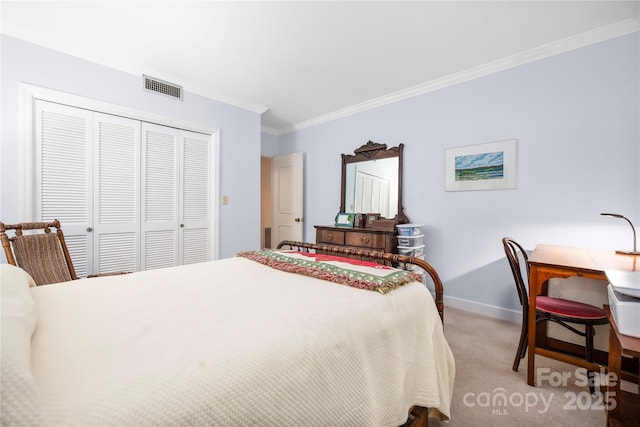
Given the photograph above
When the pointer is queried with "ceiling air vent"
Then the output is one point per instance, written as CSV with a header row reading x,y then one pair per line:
x,y
159,86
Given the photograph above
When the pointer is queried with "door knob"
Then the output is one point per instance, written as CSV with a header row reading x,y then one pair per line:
x,y
299,219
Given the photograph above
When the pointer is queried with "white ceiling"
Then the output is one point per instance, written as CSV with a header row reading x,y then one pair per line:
x,y
305,62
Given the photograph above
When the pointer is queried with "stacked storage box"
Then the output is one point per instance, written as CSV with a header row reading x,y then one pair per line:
x,y
411,241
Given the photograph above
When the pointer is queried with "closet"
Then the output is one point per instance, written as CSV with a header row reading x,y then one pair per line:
x,y
130,195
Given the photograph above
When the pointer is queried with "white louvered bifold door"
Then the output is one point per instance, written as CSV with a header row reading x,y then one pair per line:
x,y
130,195
196,199
160,183
116,205
63,184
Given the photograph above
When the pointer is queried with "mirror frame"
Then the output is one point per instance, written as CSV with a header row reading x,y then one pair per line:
x,y
374,151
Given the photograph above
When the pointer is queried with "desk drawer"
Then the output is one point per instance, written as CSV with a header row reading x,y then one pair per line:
x,y
365,240
330,236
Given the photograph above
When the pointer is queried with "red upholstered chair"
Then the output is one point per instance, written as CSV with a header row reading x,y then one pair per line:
x,y
561,311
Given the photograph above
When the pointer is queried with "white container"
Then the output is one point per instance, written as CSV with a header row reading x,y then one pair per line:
x,y
625,282
415,268
415,251
626,312
410,241
409,229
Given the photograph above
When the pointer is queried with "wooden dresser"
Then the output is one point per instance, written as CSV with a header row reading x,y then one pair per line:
x,y
382,240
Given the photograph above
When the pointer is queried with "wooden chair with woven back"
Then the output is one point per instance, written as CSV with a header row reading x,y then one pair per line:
x,y
549,309
44,255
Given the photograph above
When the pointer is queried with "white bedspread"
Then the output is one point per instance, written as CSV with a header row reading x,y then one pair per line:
x,y
231,343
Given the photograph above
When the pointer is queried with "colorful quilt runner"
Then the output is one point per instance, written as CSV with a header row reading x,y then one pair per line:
x,y
354,273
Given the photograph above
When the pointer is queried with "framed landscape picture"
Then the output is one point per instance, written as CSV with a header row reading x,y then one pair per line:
x,y
490,166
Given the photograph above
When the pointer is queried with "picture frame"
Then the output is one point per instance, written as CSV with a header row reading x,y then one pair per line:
x,y
370,218
488,166
344,219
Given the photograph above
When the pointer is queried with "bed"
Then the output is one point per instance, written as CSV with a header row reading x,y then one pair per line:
x,y
312,335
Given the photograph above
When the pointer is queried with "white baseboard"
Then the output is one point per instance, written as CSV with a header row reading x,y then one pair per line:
x,y
483,309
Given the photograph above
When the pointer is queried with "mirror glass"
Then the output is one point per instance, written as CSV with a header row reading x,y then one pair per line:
x,y
372,182
372,187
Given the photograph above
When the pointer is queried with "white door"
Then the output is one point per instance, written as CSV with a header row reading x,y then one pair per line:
x,y
176,197
159,198
195,235
87,178
287,191
116,218
372,194
63,178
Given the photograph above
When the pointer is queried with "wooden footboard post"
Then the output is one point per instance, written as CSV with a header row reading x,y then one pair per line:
x,y
421,416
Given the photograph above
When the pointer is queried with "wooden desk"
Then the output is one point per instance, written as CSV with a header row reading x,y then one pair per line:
x,y
626,410
549,261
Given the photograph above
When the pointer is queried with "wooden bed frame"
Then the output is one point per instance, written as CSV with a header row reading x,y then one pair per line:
x,y
418,415
401,261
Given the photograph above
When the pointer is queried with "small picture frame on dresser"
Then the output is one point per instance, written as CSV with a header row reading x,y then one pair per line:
x,y
384,224
370,218
360,220
344,219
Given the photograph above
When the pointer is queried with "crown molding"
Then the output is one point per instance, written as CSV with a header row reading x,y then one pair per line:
x,y
270,130
588,38
254,108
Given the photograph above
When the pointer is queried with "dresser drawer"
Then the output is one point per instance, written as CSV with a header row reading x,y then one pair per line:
x,y
365,240
330,236
378,240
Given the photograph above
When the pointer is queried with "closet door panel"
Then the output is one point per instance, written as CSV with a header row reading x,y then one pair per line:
x,y
160,249
63,182
196,244
160,196
196,200
117,218
79,249
118,252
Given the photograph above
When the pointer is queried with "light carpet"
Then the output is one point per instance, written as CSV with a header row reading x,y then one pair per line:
x,y
488,393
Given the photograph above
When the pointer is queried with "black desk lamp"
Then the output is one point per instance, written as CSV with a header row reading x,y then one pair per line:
x,y
635,250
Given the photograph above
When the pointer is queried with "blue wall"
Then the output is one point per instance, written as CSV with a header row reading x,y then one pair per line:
x,y
269,145
239,130
576,119
575,115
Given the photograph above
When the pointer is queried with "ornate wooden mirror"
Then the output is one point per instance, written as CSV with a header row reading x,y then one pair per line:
x,y
372,181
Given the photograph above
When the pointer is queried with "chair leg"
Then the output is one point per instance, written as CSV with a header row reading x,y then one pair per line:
x,y
522,346
589,332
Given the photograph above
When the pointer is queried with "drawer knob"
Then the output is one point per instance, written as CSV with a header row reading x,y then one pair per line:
x,y
364,239
330,236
